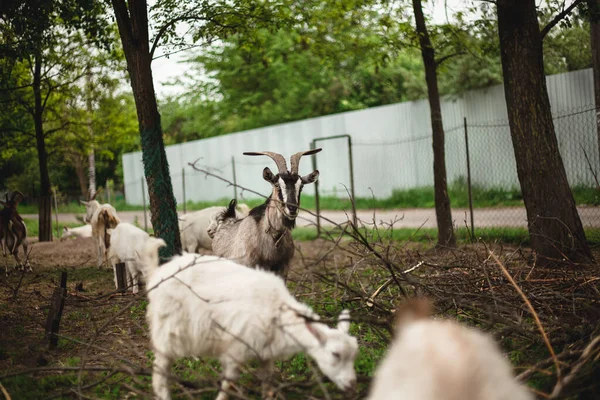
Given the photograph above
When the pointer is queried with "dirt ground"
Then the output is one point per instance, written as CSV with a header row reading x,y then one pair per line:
x,y
103,348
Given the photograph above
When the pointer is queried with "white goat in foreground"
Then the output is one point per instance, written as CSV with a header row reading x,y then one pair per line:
x,y
101,217
83,231
435,359
128,243
205,306
194,226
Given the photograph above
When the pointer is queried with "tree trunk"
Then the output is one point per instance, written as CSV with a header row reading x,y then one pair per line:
x,y
91,155
553,222
442,201
45,203
594,10
133,29
79,170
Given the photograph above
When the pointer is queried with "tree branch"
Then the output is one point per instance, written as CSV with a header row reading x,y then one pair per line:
x,y
558,17
449,56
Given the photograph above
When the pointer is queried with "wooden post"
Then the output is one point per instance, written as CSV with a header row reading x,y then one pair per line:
x,y
56,214
55,312
121,277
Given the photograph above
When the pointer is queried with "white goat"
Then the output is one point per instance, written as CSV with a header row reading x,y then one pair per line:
x,y
101,217
435,359
128,243
194,226
205,306
83,231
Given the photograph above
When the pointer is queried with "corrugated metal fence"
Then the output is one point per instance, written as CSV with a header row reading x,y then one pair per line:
x,y
391,147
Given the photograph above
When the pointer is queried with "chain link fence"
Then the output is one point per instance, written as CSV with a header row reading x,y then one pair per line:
x,y
481,172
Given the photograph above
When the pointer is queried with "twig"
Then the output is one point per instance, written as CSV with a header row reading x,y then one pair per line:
x,y
585,355
532,310
4,392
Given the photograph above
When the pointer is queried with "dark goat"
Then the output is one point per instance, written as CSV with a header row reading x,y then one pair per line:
x,y
264,239
13,232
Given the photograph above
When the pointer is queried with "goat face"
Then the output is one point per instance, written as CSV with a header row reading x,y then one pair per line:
x,y
337,352
287,187
90,207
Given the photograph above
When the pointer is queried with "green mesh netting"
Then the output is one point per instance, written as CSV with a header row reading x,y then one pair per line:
x,y
163,206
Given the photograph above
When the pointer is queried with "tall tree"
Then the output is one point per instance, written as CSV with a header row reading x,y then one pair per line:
x,y
132,20
554,225
442,200
31,32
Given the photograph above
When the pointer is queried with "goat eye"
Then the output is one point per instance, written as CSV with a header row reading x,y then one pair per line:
x,y
336,355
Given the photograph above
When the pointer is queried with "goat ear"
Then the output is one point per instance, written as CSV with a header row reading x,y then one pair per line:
x,y
268,175
310,178
344,321
316,332
85,203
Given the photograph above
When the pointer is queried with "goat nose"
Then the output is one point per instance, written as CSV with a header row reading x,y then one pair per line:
x,y
351,385
293,208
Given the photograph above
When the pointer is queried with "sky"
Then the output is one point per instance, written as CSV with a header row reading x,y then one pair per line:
x,y
165,69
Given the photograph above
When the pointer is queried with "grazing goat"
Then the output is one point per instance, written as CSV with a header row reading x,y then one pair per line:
x,y
434,359
264,237
13,232
101,217
194,227
127,244
83,231
206,306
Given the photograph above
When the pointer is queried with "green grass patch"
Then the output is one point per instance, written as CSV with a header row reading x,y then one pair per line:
x,y
518,236
422,197
33,226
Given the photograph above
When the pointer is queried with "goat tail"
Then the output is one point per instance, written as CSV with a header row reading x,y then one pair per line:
x,y
149,257
412,310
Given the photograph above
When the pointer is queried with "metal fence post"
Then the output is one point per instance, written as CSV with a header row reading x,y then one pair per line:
x,y
469,179
313,145
350,160
144,204
234,178
183,188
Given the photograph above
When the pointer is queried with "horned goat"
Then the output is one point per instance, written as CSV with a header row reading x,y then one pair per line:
x,y
264,237
435,359
127,244
84,231
206,306
101,217
194,227
13,231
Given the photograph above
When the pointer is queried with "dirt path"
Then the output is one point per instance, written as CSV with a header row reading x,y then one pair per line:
x,y
514,217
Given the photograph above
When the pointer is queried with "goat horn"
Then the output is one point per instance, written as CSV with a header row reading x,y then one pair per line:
x,y
295,159
15,194
278,158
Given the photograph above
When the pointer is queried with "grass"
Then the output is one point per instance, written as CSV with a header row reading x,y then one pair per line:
x,y
517,236
33,227
422,197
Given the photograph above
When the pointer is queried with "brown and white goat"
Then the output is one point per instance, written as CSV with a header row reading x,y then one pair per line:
x,y
13,232
264,239
102,217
